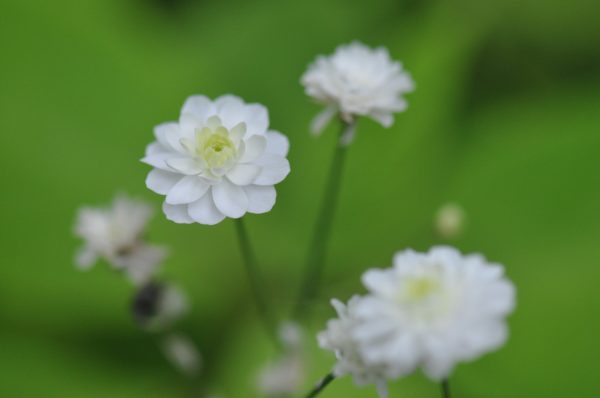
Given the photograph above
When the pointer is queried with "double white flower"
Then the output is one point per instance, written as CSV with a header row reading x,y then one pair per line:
x,y
357,81
219,160
115,233
430,311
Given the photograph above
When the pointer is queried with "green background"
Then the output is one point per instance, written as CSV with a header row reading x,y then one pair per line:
x,y
505,121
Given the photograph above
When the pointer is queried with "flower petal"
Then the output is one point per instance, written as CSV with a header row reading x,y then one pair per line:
x,y
231,110
275,169
158,160
177,213
189,189
199,106
161,181
162,130
277,143
253,148
257,119
243,174
230,199
318,124
186,166
260,199
204,211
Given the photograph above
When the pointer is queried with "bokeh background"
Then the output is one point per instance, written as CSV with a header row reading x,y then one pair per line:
x,y
505,121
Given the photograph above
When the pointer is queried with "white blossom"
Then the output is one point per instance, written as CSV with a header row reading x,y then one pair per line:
x,y
219,160
284,376
449,221
357,81
115,234
339,338
431,311
181,351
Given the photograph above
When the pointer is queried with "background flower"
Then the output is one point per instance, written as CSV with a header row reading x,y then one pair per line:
x,y
432,310
219,160
357,81
115,233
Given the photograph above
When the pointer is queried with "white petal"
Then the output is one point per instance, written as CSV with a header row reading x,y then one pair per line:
x,y
348,134
237,132
260,199
243,174
189,189
257,119
322,120
199,106
177,213
231,110
277,143
186,166
161,181
158,160
161,131
385,119
204,211
230,199
275,169
254,147
85,258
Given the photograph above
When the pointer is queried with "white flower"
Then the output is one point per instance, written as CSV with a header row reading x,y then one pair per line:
x,y
115,234
339,338
219,160
357,81
181,351
284,376
431,311
449,221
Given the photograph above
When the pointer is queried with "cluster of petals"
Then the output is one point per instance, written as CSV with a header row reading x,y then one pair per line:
x,y
218,160
115,233
430,311
357,81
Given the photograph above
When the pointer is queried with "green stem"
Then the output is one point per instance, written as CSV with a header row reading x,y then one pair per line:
x,y
445,388
256,280
322,232
321,386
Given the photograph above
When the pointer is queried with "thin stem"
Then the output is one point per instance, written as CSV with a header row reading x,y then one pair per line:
x,y
255,279
322,232
321,386
445,388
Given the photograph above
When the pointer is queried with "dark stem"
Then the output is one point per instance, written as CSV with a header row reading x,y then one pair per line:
x,y
445,388
255,279
322,231
321,386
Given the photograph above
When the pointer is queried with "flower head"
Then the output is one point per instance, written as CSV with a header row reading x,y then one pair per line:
x,y
449,221
357,81
219,160
115,234
339,338
431,311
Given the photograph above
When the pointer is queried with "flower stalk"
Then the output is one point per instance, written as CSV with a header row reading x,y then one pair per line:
x,y
321,385
322,233
445,388
255,280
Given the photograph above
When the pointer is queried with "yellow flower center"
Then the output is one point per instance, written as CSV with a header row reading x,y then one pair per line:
x,y
214,146
420,288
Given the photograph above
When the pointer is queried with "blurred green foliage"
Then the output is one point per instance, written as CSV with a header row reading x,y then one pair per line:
x,y
504,121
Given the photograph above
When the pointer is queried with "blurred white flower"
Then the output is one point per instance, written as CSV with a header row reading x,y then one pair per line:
x,y
181,351
339,338
283,377
357,81
449,221
157,306
432,310
115,234
219,160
